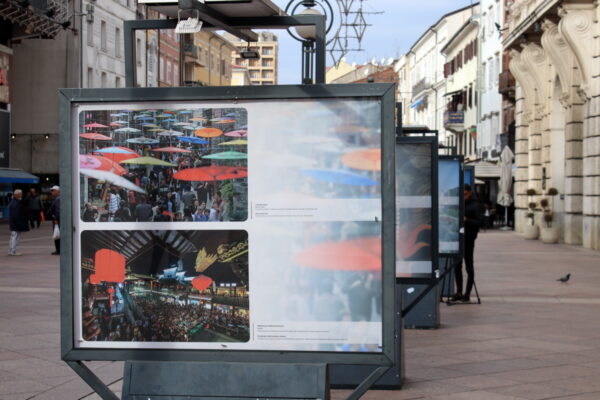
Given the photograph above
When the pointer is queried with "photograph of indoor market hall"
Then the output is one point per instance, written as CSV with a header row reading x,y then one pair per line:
x,y
165,286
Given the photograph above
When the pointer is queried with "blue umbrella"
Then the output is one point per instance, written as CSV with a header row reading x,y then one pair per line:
x,y
243,127
186,112
112,150
230,115
143,118
194,140
338,176
169,120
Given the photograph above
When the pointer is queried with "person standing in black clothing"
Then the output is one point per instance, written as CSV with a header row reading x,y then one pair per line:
x,y
17,221
473,221
55,211
33,207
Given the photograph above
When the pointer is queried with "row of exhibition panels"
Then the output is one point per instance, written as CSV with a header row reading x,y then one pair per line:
x,y
331,224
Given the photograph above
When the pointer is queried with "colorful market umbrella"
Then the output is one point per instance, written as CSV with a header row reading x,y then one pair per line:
x,y
338,176
237,133
143,117
211,173
94,125
120,122
198,119
170,133
150,126
100,163
365,160
142,140
362,254
115,150
208,132
111,178
115,125
182,124
193,140
171,149
238,142
185,112
225,121
95,136
148,161
227,155
127,129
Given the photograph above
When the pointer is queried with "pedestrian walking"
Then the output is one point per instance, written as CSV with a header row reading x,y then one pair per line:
x,y
17,220
473,222
55,211
33,208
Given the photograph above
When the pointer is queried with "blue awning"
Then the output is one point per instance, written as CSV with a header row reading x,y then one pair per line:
x,y
11,175
417,103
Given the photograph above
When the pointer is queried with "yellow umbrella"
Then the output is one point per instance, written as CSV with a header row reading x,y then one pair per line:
x,y
147,161
238,142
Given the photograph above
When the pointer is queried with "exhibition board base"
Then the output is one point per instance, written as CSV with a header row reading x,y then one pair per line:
x,y
426,313
198,380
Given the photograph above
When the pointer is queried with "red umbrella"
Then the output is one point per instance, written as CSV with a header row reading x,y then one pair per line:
x,y
101,163
115,125
362,254
211,173
366,160
95,125
95,136
171,149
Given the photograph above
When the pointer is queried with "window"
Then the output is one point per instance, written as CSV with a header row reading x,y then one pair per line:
x,y
267,51
161,73
175,75
103,36
138,51
484,72
169,72
118,42
117,82
267,63
103,80
223,70
90,77
90,33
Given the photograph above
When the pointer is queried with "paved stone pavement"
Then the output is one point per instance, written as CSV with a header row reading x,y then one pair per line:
x,y
531,338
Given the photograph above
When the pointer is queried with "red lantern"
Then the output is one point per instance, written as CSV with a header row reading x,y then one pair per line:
x,y
110,267
202,282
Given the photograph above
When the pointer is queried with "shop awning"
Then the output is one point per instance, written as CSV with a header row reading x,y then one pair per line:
x,y
12,175
417,103
484,169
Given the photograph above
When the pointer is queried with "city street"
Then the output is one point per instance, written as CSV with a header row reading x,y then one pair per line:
x,y
531,338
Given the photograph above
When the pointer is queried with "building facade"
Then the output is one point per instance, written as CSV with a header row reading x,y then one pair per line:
x,y
208,59
425,62
263,71
461,107
554,48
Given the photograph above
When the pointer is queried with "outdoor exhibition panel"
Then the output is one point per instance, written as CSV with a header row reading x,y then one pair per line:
x,y
287,255
451,205
416,207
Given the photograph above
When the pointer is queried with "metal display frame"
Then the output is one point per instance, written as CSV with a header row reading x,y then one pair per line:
x,y
383,360
432,141
461,204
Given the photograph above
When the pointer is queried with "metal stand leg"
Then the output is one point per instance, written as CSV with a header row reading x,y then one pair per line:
x,y
91,379
476,292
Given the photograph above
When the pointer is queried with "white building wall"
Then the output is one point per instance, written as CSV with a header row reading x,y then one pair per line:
x,y
490,66
103,62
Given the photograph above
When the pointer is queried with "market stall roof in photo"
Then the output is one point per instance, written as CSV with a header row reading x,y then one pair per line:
x,y
13,175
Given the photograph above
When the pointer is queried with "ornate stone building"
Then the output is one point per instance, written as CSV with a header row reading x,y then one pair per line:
x,y
554,48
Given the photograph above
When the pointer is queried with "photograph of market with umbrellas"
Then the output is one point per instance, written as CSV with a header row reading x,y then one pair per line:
x,y
165,286
163,165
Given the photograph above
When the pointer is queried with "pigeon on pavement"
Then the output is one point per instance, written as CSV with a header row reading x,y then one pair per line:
x,y
564,278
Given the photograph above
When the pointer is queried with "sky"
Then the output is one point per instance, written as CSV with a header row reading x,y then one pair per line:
x,y
392,33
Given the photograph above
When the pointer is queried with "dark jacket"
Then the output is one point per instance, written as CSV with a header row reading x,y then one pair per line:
x,y
473,217
17,219
55,210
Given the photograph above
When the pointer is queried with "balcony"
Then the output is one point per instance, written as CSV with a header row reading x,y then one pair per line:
x,y
454,121
506,83
422,85
192,54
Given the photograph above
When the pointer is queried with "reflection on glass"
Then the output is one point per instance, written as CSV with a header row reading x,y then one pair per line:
x,y
449,205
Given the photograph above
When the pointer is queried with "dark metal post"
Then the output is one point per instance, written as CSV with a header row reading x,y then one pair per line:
x,y
320,51
308,49
129,37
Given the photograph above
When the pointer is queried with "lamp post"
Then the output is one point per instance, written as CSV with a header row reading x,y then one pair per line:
x,y
307,34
